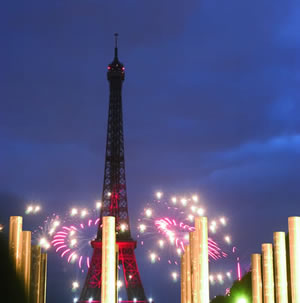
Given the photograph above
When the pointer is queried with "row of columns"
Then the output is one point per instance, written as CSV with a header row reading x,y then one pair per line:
x,y
270,277
194,265
29,262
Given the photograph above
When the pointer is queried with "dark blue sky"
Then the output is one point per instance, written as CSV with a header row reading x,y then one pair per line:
x,y
211,105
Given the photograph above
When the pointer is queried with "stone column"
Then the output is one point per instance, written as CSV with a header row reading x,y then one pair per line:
x,y
188,274
194,268
183,278
26,260
202,283
108,282
268,273
256,278
15,242
294,244
281,291
43,278
35,287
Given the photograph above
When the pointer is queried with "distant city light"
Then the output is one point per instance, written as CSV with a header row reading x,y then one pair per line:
x,y
174,200
200,211
183,201
220,277
227,239
158,195
123,227
56,223
75,285
223,221
84,213
161,243
174,276
191,217
195,198
142,228
32,209
98,204
153,257
1,227
148,212
74,211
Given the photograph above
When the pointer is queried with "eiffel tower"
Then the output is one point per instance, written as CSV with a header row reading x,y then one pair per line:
x,y
114,199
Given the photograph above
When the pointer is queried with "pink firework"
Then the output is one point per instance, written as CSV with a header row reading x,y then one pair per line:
x,y
164,227
168,226
70,242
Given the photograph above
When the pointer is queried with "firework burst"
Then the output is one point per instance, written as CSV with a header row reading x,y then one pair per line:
x,y
163,230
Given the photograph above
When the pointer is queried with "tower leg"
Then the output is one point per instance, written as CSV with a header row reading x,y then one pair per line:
x,y
132,277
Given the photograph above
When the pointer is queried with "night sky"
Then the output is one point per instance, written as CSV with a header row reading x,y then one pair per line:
x,y
211,106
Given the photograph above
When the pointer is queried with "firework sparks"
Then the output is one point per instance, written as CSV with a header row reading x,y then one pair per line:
x,y
173,219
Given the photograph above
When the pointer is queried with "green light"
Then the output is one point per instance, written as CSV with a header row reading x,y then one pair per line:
x,y
241,300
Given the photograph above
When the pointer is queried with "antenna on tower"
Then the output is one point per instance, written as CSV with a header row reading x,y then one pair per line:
x,y
116,46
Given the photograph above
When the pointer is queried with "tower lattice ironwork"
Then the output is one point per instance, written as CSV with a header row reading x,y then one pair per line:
x,y
114,199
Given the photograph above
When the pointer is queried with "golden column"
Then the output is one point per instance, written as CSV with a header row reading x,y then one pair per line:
x,y
202,283
281,291
35,287
43,278
26,259
108,282
194,269
188,274
183,278
256,278
268,274
15,242
294,244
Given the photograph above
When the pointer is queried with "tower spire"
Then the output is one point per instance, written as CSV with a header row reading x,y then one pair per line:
x,y
116,46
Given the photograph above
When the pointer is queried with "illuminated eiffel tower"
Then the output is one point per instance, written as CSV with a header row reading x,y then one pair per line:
x,y
114,199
